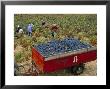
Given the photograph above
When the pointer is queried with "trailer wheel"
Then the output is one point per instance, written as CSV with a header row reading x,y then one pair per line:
x,y
76,70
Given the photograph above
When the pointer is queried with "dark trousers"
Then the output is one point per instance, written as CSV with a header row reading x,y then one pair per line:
x,y
29,33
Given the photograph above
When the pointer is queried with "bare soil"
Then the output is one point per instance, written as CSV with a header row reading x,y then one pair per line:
x,y
90,69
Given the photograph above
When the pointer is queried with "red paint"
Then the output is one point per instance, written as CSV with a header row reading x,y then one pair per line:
x,y
64,62
38,59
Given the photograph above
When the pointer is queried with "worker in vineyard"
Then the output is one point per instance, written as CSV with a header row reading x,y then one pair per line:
x,y
54,29
18,28
19,32
29,29
43,23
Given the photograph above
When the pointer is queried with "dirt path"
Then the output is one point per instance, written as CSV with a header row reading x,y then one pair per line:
x,y
18,49
90,69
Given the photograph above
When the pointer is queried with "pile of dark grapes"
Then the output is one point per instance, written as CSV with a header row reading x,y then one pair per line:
x,y
61,46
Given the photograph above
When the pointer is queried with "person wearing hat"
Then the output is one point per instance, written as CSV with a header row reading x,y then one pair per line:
x,y
18,28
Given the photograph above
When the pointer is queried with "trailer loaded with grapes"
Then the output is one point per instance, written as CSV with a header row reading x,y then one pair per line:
x,y
60,54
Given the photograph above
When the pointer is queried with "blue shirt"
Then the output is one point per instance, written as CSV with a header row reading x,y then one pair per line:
x,y
29,29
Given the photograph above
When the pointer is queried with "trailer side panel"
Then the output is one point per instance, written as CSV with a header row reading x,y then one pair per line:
x,y
69,61
38,59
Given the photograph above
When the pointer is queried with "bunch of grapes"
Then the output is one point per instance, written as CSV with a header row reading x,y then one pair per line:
x,y
60,46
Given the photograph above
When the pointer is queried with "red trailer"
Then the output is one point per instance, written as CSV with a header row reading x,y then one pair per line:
x,y
74,58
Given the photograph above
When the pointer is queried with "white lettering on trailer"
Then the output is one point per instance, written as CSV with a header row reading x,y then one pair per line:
x,y
75,59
